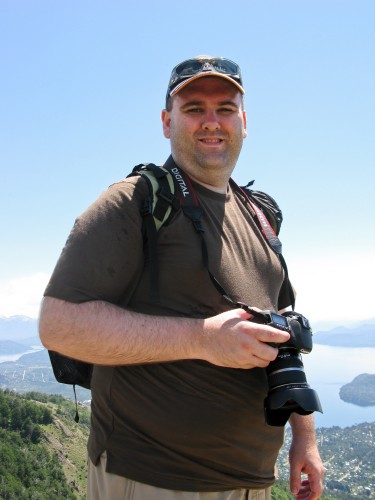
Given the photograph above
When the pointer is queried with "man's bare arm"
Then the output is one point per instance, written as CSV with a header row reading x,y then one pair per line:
x,y
305,459
102,333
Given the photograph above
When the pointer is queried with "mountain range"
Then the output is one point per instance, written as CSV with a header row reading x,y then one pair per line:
x,y
18,334
359,336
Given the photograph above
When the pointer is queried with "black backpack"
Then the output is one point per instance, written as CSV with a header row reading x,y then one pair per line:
x,y
169,190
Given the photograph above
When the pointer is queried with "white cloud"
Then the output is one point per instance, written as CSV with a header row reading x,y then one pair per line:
x,y
335,287
22,296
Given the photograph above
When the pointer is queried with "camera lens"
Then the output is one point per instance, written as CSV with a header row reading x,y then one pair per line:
x,y
286,367
288,389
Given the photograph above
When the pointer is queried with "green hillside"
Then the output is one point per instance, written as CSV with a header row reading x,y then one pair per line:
x,y
42,449
43,453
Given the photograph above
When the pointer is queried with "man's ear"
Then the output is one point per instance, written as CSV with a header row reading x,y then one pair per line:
x,y
166,119
244,134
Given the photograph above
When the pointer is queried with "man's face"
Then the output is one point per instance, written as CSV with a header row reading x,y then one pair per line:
x,y
206,125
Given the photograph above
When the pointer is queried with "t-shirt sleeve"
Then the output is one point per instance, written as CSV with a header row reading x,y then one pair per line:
x,y
103,256
286,290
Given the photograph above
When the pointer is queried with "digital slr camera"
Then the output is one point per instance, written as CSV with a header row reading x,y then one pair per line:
x,y
288,390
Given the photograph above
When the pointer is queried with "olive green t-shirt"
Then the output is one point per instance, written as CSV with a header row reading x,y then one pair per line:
x,y
186,425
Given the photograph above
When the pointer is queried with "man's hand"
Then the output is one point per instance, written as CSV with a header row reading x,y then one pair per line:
x,y
304,459
231,340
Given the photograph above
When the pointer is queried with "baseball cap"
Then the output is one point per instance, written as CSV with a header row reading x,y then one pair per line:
x,y
203,66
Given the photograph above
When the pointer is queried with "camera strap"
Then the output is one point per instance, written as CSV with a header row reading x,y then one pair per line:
x,y
189,204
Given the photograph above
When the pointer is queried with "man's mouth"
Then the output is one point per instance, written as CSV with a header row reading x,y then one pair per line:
x,y
211,141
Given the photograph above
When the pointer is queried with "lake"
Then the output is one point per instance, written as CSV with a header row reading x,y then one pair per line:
x,y
327,369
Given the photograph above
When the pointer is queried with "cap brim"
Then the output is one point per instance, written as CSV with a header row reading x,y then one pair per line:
x,y
205,75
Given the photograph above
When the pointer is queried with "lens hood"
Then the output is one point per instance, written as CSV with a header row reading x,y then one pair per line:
x,y
284,400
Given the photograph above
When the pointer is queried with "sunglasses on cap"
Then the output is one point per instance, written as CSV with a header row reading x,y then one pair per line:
x,y
191,69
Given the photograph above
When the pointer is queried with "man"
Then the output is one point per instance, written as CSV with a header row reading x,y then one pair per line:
x,y
179,383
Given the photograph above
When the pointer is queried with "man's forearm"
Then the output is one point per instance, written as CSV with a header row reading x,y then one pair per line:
x,y
304,459
303,425
102,333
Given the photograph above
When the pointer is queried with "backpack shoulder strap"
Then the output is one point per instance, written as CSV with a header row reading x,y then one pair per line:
x,y
161,201
157,209
269,217
169,189
264,202
268,206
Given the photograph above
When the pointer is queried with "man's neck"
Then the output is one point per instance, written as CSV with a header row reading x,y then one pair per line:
x,y
212,179
222,188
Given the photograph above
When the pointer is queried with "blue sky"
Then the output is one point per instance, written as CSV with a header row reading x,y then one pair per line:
x,y
82,87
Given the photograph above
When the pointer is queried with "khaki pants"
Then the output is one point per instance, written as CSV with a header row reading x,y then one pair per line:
x,y
102,485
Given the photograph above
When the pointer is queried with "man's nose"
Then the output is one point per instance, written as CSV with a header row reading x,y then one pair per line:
x,y
210,121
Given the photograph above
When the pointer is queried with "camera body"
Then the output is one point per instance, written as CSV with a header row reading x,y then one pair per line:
x,y
295,324
288,390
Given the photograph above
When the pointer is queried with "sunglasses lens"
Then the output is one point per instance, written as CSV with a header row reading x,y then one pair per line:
x,y
188,68
192,67
226,67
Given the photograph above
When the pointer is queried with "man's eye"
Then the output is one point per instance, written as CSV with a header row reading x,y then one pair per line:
x,y
194,110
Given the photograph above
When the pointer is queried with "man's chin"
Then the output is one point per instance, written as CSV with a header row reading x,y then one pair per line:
x,y
215,161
